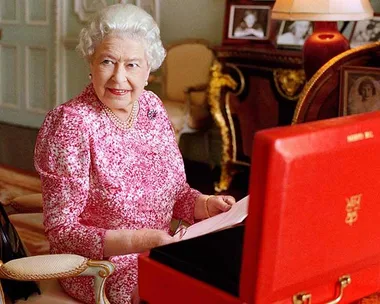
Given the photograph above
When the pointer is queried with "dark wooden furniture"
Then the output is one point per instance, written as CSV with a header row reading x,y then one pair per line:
x,y
320,98
251,88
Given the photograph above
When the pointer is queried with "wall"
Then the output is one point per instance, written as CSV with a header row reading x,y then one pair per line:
x,y
180,19
198,18
376,5
192,19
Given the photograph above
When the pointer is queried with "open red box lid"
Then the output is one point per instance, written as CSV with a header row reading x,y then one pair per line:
x,y
314,212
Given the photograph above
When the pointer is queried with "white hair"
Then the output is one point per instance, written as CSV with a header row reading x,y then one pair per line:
x,y
126,19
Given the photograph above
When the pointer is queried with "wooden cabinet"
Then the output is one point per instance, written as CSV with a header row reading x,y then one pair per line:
x,y
251,88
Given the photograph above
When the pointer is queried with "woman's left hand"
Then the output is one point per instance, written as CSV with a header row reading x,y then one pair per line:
x,y
216,204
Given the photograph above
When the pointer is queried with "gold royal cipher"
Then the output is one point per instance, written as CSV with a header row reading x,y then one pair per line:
x,y
352,207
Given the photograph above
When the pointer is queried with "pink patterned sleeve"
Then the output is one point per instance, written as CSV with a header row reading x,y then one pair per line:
x,y
62,159
186,196
184,206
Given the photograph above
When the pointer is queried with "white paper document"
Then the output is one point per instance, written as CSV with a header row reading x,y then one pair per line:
x,y
237,213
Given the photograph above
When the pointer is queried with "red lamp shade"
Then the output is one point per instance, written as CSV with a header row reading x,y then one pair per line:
x,y
326,41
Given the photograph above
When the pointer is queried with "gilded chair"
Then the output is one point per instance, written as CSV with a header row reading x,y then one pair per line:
x,y
44,267
321,96
48,268
184,82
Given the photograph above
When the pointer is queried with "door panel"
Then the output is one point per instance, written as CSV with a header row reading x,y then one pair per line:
x,y
27,52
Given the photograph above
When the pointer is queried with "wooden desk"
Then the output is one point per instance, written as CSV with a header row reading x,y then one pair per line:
x,y
251,88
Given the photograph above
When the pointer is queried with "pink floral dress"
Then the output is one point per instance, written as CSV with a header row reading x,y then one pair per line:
x,y
96,176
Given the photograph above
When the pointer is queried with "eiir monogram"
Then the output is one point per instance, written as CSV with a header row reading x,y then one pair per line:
x,y
352,207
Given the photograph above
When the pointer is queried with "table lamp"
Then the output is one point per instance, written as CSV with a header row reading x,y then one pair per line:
x,y
326,41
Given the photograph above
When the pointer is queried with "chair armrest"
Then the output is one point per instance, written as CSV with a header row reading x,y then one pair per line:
x,y
59,266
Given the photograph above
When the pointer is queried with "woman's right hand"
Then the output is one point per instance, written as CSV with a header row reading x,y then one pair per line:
x,y
157,237
124,241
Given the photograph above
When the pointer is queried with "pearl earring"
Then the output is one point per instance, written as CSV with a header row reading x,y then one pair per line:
x,y
90,76
146,83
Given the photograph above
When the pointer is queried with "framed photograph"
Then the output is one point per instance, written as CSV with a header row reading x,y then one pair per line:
x,y
365,31
359,90
247,21
345,28
292,34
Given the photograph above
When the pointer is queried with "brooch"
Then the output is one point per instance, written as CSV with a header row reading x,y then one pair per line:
x,y
152,114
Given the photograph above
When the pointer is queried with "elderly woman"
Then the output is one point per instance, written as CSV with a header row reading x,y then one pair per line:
x,y
112,174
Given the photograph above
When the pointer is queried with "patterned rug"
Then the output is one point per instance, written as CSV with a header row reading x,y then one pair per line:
x,y
15,183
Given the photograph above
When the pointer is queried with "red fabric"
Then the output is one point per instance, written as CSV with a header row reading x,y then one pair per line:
x,y
96,177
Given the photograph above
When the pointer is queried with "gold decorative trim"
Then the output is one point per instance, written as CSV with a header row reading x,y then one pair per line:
x,y
232,127
104,272
279,58
219,80
228,108
241,78
302,103
289,82
6,274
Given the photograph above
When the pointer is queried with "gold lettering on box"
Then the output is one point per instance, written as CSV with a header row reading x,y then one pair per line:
x,y
360,136
368,134
352,208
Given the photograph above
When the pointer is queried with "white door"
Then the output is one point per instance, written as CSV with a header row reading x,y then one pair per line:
x,y
27,50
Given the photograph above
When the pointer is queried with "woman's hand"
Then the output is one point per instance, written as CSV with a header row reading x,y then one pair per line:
x,y
210,205
216,204
155,238
124,241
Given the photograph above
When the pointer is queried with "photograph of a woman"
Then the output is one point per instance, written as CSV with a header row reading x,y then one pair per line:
x,y
292,34
364,95
248,22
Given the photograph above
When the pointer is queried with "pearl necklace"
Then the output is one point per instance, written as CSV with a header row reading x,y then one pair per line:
x,y
124,125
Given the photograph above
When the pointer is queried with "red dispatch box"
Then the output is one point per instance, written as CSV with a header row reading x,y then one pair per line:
x,y
313,229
